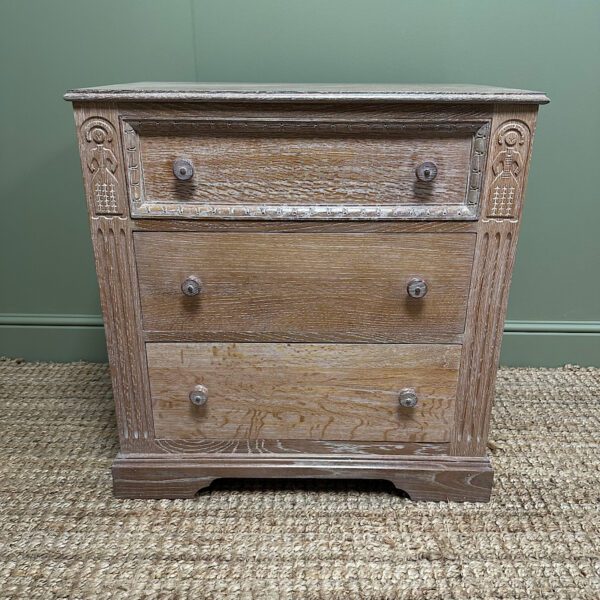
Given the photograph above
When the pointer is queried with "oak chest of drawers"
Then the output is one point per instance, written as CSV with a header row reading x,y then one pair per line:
x,y
304,281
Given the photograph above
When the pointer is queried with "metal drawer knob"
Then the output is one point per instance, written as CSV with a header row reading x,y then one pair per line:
x,y
191,286
183,169
416,287
426,171
199,395
408,398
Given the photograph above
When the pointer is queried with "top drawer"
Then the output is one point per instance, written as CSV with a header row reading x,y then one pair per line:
x,y
302,169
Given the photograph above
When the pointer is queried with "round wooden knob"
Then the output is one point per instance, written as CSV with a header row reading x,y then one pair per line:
x,y
199,395
183,169
408,398
416,287
191,286
426,171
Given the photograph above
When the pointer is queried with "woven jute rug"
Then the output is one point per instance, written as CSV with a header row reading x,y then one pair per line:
x,y
62,535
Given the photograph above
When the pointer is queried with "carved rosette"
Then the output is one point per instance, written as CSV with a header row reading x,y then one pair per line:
x,y
509,158
100,158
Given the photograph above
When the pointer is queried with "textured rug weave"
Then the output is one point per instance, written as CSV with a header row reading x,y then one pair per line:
x,y
62,535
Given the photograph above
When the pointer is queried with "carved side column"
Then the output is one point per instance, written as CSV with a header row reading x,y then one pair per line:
x,y
501,203
102,163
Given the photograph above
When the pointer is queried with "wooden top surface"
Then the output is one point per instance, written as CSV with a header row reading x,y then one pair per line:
x,y
304,92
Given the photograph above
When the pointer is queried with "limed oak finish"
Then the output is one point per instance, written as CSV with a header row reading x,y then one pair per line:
x,y
304,280
304,391
339,287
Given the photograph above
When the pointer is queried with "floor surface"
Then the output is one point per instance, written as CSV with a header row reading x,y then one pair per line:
x,y
62,535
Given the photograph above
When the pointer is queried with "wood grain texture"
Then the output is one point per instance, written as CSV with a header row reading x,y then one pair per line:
x,y
210,335
304,223
432,479
305,286
304,226
270,162
113,250
101,160
208,447
355,112
304,391
304,92
493,264
343,169
324,121
508,166
115,267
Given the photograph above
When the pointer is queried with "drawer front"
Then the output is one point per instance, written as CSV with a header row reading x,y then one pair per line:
x,y
303,391
274,169
304,287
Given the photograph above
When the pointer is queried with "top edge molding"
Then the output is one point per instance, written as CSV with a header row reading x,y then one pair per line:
x,y
247,92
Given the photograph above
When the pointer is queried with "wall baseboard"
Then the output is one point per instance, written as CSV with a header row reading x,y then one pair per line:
x,y
569,327
49,320
62,338
549,349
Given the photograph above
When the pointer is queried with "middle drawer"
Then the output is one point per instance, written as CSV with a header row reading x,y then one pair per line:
x,y
304,286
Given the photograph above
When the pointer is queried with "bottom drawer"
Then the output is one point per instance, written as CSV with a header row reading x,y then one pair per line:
x,y
303,391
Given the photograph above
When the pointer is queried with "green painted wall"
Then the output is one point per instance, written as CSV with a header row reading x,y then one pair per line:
x,y
48,294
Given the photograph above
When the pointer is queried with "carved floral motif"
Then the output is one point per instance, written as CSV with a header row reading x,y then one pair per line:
x,y
102,162
508,164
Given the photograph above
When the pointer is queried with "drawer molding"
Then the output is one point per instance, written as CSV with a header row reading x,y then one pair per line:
x,y
143,207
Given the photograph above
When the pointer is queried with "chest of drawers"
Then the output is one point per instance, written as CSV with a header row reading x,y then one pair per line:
x,y
304,281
